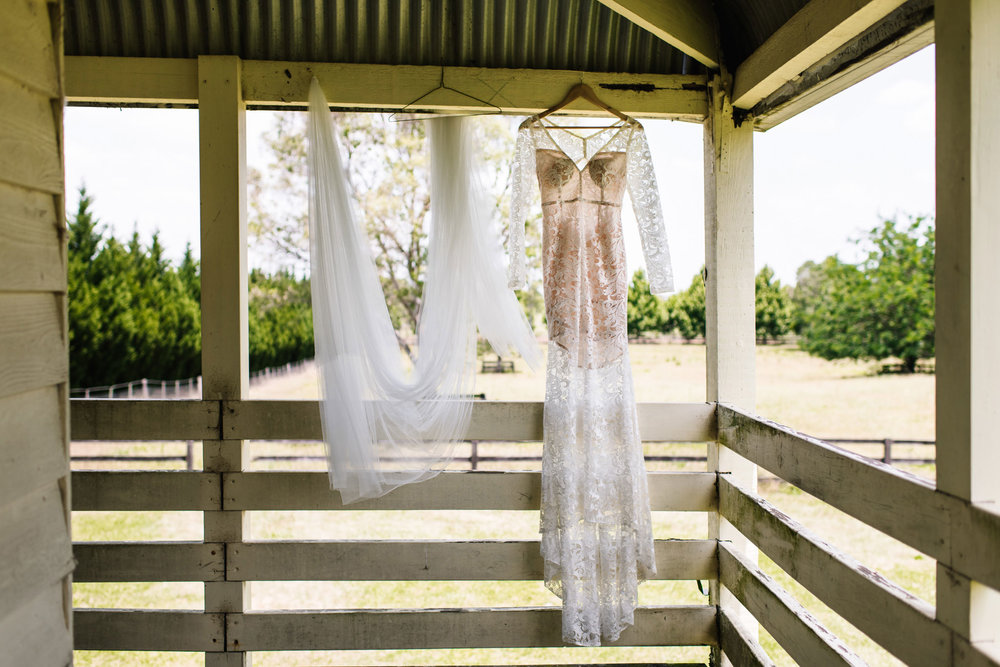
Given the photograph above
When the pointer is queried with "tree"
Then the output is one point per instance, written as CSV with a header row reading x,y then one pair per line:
x,y
388,172
645,311
881,307
773,306
686,310
280,315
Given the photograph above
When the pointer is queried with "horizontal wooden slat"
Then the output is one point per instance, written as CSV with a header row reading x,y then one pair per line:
x,y
491,420
453,628
477,490
33,352
36,632
123,419
156,81
31,423
138,491
791,625
149,561
34,545
27,53
438,560
31,248
901,622
28,139
899,504
975,542
740,647
147,630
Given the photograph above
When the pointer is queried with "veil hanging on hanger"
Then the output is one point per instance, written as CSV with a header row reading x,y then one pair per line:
x,y
384,426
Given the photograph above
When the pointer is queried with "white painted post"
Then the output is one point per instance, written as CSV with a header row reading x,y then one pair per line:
x,y
967,274
729,306
224,329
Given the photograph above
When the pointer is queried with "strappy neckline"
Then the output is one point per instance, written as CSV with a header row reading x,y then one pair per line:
x,y
618,126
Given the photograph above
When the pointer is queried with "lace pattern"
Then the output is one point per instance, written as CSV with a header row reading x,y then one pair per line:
x,y
596,532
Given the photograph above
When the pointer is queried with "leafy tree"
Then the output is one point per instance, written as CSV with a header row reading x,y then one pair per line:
x,y
881,307
130,315
280,317
645,311
773,306
686,310
388,171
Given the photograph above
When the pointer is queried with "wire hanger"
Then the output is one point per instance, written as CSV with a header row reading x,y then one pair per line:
x,y
441,86
582,90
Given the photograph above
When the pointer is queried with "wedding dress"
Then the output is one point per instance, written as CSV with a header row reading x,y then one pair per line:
x,y
597,540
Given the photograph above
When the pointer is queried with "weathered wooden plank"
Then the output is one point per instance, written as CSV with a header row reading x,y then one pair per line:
x,y
34,545
975,543
688,25
36,633
139,491
439,560
29,150
134,80
899,621
33,352
738,646
792,626
453,628
812,33
31,247
149,561
27,53
478,490
158,81
121,419
32,442
147,630
899,504
491,420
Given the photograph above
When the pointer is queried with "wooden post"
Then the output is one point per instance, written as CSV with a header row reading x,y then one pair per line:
x,y
967,274
729,305
224,330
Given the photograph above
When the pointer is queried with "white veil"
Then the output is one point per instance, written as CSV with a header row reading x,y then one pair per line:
x,y
383,426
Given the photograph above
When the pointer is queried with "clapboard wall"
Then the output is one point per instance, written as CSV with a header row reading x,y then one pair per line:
x,y
35,553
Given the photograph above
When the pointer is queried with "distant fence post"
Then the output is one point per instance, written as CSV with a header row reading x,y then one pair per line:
x,y
887,450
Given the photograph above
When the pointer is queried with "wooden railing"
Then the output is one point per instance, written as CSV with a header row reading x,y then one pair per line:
x,y
366,560
958,534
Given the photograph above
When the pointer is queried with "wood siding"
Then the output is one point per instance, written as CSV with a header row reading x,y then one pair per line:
x,y
35,551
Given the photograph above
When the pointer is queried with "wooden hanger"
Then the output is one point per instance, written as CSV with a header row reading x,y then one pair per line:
x,y
582,90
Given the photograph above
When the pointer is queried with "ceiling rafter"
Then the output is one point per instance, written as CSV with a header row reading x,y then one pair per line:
x,y
688,25
811,34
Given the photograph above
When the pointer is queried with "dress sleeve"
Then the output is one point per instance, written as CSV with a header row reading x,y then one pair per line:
x,y
645,198
522,178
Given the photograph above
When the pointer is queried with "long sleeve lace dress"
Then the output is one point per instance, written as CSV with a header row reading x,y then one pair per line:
x,y
597,538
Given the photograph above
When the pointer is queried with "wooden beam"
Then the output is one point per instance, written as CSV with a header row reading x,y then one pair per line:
x,y
892,616
900,34
491,420
740,647
143,630
146,491
161,81
730,334
32,346
149,561
967,310
675,492
692,625
811,34
791,624
687,25
438,560
126,419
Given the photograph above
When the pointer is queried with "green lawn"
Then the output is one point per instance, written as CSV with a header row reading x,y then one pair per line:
x,y
842,400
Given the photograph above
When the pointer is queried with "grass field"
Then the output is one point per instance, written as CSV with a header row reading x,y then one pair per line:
x,y
833,400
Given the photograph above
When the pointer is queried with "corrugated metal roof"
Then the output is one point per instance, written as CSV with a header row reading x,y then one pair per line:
x,y
542,34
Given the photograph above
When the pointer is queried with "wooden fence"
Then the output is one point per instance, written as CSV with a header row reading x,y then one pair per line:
x,y
958,534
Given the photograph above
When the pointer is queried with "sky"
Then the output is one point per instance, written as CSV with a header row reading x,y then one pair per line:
x,y
821,179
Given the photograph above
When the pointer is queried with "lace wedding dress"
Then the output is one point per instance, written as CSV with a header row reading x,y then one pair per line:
x,y
597,539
